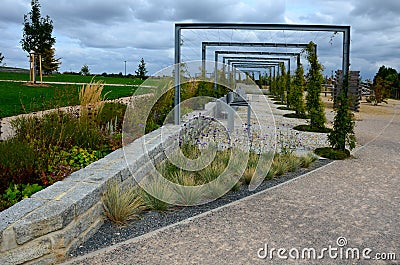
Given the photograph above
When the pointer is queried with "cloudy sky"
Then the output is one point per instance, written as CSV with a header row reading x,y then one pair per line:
x,y
105,33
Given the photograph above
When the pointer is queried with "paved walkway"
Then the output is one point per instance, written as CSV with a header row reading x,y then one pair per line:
x,y
358,199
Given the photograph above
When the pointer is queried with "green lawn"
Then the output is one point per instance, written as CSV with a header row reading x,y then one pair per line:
x,y
17,98
72,78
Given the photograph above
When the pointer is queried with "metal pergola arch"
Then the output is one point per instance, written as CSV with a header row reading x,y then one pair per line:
x,y
260,60
206,44
227,58
217,53
252,26
265,65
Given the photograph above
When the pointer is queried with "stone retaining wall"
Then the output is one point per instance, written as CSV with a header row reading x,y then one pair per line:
x,y
45,228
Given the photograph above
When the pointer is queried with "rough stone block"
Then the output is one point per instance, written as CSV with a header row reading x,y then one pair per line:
x,y
9,241
83,196
97,212
54,191
45,260
28,252
16,212
63,239
84,236
51,217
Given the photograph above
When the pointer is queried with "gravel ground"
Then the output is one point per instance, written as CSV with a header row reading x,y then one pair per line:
x,y
110,234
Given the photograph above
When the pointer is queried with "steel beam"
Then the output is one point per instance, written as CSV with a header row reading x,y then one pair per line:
x,y
206,44
217,53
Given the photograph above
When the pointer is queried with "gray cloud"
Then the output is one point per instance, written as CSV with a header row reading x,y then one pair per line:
x,y
374,9
104,33
12,11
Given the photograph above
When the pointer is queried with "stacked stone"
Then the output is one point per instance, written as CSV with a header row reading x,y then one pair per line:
x,y
354,91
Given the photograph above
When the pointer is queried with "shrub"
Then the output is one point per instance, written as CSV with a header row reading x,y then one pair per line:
x,y
310,128
296,93
314,104
120,205
334,154
16,192
58,129
17,163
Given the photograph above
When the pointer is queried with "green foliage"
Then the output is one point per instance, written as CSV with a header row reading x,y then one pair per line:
x,y
49,63
380,91
17,163
85,71
295,96
334,154
343,126
309,128
279,167
28,190
386,83
16,192
315,79
187,192
80,158
165,104
49,148
37,31
58,129
293,162
141,72
282,83
153,203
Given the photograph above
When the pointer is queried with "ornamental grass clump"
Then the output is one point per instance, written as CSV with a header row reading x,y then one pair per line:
x,y
121,205
307,160
91,100
160,191
186,191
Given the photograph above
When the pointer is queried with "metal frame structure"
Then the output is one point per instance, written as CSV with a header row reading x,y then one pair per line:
x,y
224,58
265,65
232,62
217,53
237,26
266,60
206,44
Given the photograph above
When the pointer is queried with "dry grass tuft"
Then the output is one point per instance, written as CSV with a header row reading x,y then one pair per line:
x,y
121,206
91,101
248,175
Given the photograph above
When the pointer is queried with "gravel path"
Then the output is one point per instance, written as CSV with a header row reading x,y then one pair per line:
x,y
357,199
